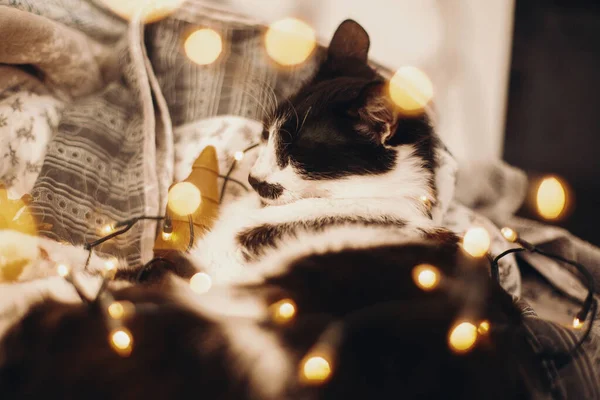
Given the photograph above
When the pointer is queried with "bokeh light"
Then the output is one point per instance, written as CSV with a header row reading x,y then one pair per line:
x,y
290,41
462,337
283,311
239,155
411,90
509,234
577,323
121,341
63,270
483,328
184,198
120,309
426,276
200,283
476,241
203,46
316,369
154,10
551,198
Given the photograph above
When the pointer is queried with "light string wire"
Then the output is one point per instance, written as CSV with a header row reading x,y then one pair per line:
x,y
589,304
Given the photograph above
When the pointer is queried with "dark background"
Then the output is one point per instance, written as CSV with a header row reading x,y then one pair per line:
x,y
553,113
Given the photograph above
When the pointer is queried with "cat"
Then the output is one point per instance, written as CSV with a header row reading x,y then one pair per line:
x,y
338,152
359,308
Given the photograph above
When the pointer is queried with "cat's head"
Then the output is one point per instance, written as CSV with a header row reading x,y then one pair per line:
x,y
341,136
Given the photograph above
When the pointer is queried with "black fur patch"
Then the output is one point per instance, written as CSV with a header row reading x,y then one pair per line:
x,y
254,240
265,189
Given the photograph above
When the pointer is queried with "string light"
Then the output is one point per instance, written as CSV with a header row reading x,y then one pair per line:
x,y
483,328
200,283
316,369
167,231
411,90
63,270
154,9
283,311
509,234
107,229
426,277
203,46
119,309
426,201
577,323
184,198
476,241
121,340
462,337
110,268
290,41
238,155
551,198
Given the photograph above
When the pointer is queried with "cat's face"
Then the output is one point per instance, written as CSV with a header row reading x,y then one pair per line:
x,y
341,137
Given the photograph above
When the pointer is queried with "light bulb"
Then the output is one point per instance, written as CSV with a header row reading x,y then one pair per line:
x,y
283,311
411,90
289,41
577,323
426,276
238,155
167,235
63,270
551,198
120,309
476,241
203,46
108,229
509,234
316,369
184,198
121,340
484,327
462,337
200,283
110,268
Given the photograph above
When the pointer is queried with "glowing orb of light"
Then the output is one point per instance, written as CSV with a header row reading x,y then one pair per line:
x,y
153,10
551,198
577,324
107,229
484,327
316,369
509,234
203,46
239,155
200,283
476,241
63,270
283,311
290,41
184,198
462,337
411,90
120,309
426,276
121,341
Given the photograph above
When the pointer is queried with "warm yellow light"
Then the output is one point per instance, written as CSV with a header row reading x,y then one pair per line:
x,y
120,309
239,155
462,337
167,235
121,341
63,270
184,198
153,9
289,41
577,323
110,268
316,369
200,283
203,46
476,241
107,229
484,327
426,276
551,198
411,90
425,200
509,234
283,311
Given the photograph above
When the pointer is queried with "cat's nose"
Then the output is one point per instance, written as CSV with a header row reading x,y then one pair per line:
x,y
265,189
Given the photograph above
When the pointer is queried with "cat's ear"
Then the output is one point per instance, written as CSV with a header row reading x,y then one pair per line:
x,y
350,40
374,114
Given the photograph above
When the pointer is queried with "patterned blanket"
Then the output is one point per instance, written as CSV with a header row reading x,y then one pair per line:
x,y
134,112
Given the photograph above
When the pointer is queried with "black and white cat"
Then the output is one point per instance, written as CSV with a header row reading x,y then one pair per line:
x,y
337,153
